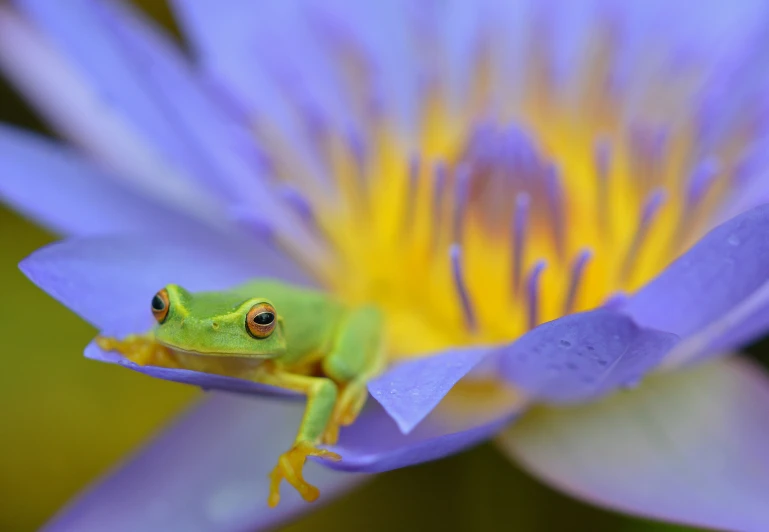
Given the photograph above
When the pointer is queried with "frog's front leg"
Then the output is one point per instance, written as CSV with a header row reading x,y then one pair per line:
x,y
140,349
321,396
357,357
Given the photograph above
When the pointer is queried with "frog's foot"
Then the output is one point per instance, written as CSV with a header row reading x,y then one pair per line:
x,y
138,349
290,466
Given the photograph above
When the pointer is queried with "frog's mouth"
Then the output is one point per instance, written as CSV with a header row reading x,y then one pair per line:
x,y
178,350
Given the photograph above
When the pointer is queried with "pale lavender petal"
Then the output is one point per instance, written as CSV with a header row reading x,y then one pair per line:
x,y
582,356
208,472
465,417
235,46
79,113
109,280
136,70
725,268
61,190
409,391
687,446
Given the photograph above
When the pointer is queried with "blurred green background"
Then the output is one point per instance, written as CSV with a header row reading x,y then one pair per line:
x,y
65,420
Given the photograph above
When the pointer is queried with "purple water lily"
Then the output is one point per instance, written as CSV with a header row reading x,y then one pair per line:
x,y
559,209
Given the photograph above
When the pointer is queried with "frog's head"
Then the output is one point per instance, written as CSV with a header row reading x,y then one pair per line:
x,y
217,323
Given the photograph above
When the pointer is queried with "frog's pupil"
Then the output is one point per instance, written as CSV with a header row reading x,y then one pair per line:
x,y
158,304
265,318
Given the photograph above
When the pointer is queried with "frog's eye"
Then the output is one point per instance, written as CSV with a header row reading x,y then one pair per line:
x,y
160,305
261,320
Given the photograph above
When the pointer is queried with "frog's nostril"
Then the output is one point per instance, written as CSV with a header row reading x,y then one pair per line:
x,y
214,325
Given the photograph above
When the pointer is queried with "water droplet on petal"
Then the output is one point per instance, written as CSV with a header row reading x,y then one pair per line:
x,y
733,240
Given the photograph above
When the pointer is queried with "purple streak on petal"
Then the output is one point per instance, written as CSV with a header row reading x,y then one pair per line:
x,y
533,292
360,152
528,162
688,447
412,184
462,177
120,273
468,312
208,472
582,356
255,225
412,389
555,201
305,241
602,157
700,180
577,270
58,188
374,443
519,232
440,177
299,204
651,207
718,273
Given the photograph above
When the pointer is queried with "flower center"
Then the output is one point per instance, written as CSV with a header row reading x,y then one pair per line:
x,y
492,217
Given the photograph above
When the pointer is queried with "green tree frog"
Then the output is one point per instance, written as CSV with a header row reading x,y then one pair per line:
x,y
276,334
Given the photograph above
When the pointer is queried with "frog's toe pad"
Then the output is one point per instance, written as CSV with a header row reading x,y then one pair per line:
x,y
290,465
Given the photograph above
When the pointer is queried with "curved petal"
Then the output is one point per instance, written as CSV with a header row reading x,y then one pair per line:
x,y
34,65
412,389
67,194
207,381
378,34
208,472
109,280
688,447
147,81
582,356
469,414
725,268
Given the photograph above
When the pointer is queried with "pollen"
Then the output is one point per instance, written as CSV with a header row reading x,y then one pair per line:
x,y
515,206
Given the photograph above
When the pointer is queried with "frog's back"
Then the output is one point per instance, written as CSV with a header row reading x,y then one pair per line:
x,y
310,316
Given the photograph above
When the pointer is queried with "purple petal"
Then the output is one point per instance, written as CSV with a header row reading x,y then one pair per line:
x,y
582,356
57,188
687,446
147,81
208,472
465,417
109,280
709,281
409,391
35,66
233,45
207,381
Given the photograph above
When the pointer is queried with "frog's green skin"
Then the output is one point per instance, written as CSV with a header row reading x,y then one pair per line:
x,y
319,347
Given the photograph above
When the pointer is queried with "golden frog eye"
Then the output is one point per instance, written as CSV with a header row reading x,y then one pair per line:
x,y
261,320
160,305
